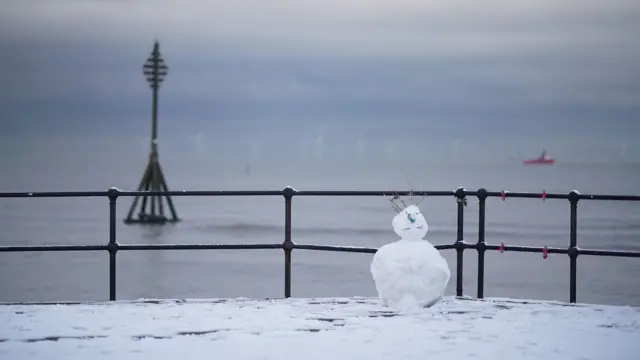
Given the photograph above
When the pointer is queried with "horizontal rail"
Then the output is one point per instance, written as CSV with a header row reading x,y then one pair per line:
x,y
199,246
51,248
528,195
346,249
342,193
517,248
613,253
53,194
372,193
137,247
314,247
140,193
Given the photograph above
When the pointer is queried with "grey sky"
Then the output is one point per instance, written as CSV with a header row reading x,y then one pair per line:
x,y
449,68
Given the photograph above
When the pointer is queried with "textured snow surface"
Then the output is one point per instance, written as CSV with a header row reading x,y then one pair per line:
x,y
342,328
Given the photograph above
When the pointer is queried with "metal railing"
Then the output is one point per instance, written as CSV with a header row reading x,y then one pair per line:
x,y
460,195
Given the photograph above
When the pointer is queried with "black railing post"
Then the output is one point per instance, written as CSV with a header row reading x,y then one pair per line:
x,y
287,245
481,245
112,247
459,245
573,245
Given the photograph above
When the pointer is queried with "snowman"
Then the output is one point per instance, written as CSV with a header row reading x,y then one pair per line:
x,y
410,273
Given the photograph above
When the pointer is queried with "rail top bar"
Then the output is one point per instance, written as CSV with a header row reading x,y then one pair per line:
x,y
288,191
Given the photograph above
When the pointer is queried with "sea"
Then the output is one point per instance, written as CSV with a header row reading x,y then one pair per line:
x,y
65,164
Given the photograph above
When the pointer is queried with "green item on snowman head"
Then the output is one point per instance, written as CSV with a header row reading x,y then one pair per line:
x,y
410,218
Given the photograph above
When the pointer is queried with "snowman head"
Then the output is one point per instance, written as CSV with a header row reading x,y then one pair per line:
x,y
410,224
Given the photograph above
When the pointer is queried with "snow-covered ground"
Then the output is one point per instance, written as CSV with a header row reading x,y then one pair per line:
x,y
327,328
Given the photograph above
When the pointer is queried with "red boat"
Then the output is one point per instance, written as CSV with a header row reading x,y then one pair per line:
x,y
543,159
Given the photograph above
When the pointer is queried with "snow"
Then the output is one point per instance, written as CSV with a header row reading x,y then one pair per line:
x,y
409,273
328,328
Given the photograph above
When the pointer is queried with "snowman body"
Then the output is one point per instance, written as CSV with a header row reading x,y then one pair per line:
x,y
410,273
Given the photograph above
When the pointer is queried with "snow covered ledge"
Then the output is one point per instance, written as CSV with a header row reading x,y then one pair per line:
x,y
327,328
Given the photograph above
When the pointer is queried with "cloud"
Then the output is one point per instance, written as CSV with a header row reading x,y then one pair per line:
x,y
320,146
361,147
256,151
343,27
200,143
428,67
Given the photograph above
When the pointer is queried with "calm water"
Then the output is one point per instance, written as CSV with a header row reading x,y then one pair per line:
x,y
343,221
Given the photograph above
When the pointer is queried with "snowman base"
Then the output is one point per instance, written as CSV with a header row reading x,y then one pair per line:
x,y
410,273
